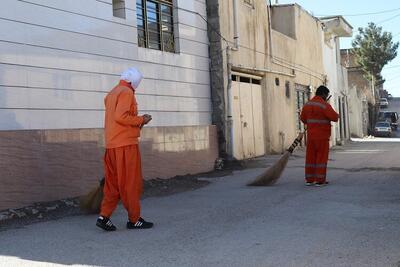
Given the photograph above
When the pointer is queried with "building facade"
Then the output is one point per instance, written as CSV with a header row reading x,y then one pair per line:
x,y
337,81
297,50
266,62
362,98
58,59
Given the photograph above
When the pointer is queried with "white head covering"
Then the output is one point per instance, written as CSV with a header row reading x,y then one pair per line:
x,y
133,76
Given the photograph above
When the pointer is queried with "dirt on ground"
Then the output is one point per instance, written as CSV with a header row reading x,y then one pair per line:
x,y
40,212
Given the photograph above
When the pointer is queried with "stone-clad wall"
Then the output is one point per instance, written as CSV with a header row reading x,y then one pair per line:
x,y
45,165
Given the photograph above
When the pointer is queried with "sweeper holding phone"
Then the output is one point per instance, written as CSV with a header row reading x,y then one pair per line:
x,y
317,115
122,160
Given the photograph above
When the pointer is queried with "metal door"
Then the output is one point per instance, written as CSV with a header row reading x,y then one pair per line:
x,y
248,124
246,107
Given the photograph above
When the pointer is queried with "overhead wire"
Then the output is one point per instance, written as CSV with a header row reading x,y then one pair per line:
x,y
229,43
388,19
365,14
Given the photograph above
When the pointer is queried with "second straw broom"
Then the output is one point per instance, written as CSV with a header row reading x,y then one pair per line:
x,y
273,173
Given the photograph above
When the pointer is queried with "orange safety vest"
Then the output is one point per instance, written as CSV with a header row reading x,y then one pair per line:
x,y
317,114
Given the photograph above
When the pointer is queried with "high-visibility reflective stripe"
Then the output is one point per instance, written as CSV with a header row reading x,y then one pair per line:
x,y
318,121
317,104
316,175
316,165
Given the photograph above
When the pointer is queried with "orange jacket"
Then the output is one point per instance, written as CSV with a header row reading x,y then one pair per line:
x,y
122,123
317,114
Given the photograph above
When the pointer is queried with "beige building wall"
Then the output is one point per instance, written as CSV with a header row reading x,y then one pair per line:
x,y
299,56
253,32
360,95
249,56
357,102
292,61
334,28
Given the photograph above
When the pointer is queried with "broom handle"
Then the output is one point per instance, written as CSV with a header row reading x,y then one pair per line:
x,y
296,141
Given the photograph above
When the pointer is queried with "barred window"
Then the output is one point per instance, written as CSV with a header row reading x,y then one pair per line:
x,y
155,24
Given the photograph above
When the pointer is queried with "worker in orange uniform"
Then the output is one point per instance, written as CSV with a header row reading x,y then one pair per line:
x,y
122,162
317,114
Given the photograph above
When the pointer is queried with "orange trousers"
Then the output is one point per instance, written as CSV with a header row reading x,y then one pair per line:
x,y
123,180
316,160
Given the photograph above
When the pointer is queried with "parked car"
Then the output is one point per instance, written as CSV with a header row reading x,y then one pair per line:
x,y
389,97
383,103
383,128
390,116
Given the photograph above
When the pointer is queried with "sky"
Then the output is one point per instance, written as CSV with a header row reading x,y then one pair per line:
x,y
353,11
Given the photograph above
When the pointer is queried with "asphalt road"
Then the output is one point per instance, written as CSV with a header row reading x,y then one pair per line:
x,y
355,221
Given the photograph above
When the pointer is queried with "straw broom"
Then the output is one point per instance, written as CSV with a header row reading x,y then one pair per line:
x,y
272,174
91,202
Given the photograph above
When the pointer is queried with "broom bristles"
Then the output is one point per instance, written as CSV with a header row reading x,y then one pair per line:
x,y
91,202
272,174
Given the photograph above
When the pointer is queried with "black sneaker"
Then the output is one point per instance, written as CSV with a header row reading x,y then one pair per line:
x,y
140,224
321,184
105,224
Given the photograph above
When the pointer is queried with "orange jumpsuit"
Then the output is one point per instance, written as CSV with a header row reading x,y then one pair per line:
x,y
122,162
317,114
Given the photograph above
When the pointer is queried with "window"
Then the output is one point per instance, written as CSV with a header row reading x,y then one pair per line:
x,y
244,79
155,24
301,98
118,8
236,77
287,89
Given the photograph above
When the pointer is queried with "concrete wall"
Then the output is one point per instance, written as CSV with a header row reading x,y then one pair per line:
x,y
291,53
357,118
252,53
331,70
281,128
253,32
308,49
302,57
296,62
337,82
356,75
218,75
58,59
361,85
360,95
344,86
284,20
